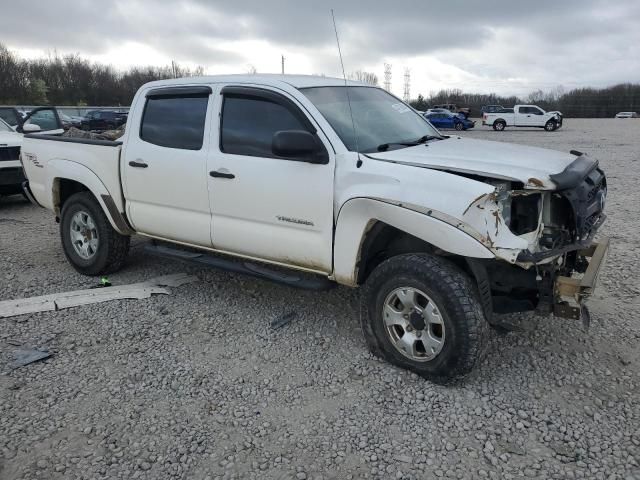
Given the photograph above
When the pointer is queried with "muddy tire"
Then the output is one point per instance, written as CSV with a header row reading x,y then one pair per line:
x,y
421,312
89,241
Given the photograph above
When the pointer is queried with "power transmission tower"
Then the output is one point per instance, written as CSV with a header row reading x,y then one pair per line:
x,y
282,64
387,77
407,85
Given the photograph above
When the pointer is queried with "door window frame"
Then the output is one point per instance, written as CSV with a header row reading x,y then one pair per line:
x,y
177,92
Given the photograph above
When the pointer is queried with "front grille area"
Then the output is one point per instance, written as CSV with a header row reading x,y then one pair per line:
x,y
9,153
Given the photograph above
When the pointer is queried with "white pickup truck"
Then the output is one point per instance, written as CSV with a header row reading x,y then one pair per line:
x,y
523,116
359,189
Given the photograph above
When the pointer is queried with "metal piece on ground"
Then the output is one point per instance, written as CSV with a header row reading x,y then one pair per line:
x,y
414,324
59,301
283,320
25,357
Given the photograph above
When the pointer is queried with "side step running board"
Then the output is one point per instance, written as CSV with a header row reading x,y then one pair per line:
x,y
307,281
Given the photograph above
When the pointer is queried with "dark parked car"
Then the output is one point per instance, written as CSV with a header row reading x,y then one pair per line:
x,y
449,120
103,120
491,108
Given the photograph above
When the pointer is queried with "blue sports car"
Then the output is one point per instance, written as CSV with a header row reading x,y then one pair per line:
x,y
449,120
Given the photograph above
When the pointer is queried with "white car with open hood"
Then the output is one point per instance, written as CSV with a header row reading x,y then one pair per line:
x,y
442,233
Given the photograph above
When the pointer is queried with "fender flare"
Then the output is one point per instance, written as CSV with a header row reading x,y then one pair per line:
x,y
61,169
358,215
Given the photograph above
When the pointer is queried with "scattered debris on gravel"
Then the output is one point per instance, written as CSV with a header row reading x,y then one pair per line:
x,y
200,384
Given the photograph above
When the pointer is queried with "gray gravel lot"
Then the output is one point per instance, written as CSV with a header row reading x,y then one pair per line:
x,y
198,385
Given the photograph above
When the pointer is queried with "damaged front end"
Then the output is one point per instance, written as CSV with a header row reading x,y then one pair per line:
x,y
542,233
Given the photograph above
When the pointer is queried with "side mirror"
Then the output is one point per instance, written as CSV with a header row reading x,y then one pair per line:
x,y
299,145
31,128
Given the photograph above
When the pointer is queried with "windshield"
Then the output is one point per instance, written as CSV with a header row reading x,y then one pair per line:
x,y
379,118
5,127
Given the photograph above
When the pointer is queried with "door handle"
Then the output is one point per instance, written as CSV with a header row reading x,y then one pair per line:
x,y
138,164
218,174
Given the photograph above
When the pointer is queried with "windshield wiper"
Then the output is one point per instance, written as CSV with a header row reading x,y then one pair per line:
x,y
385,146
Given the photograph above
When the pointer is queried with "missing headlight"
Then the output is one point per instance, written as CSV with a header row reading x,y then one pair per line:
x,y
525,213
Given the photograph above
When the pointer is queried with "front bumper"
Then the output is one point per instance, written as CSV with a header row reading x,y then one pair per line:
x,y
570,293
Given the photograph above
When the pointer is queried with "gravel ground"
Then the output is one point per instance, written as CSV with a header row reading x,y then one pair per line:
x,y
198,385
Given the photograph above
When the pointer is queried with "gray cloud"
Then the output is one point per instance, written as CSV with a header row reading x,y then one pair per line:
x,y
546,42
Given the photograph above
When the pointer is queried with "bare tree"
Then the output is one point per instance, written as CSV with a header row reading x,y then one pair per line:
x,y
365,77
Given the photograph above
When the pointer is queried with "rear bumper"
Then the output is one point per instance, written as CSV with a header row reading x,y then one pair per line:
x,y
571,292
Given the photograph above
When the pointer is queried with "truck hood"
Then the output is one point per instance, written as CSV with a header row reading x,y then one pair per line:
x,y
530,165
10,139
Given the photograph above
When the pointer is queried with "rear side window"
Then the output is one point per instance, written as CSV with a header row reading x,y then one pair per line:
x,y
175,121
249,123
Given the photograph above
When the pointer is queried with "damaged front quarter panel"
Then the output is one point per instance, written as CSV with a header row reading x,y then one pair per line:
x,y
489,215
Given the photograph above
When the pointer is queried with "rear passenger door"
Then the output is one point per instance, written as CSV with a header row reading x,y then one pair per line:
x,y
164,164
265,205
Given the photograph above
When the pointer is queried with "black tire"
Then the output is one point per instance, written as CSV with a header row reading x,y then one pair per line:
x,y
499,125
112,247
459,126
455,297
550,126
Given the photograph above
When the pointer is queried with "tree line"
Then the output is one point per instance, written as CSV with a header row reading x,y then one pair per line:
x,y
576,103
73,80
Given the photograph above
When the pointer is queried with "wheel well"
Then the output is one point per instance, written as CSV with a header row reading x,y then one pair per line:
x,y
63,189
499,120
384,241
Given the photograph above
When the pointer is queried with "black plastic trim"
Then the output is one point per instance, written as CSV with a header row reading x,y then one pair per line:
x,y
575,172
27,191
179,91
87,141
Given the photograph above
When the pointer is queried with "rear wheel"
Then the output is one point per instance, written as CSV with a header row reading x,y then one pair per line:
x,y
89,241
459,126
499,125
550,126
421,313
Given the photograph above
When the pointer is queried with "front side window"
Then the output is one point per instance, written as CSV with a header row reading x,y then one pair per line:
x,y
45,119
175,121
380,119
249,124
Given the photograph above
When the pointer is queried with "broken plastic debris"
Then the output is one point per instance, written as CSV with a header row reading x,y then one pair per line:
x,y
282,320
25,357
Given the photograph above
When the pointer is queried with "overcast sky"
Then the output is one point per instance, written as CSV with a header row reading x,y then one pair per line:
x,y
508,47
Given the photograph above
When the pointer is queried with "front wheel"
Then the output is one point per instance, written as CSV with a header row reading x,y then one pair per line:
x,y
550,126
420,312
459,126
89,241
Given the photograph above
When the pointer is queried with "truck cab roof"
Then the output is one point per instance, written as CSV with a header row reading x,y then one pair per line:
x,y
274,80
